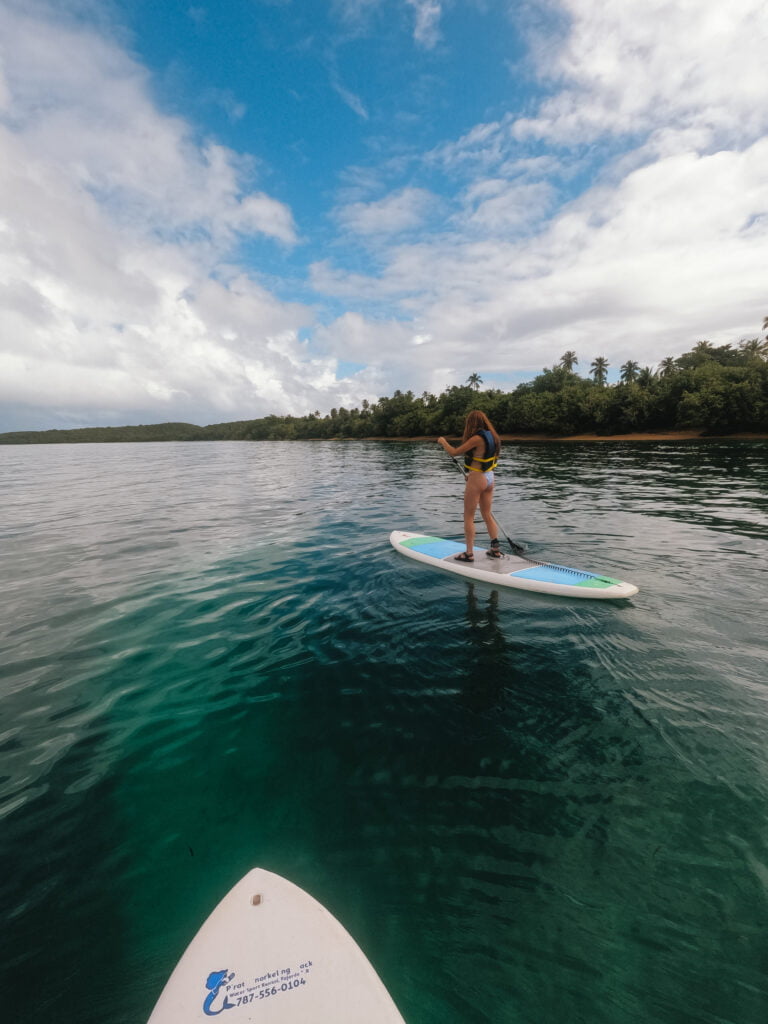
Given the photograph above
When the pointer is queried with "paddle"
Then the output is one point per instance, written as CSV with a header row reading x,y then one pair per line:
x,y
517,549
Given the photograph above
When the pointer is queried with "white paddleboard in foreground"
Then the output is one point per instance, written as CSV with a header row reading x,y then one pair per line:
x,y
510,570
271,953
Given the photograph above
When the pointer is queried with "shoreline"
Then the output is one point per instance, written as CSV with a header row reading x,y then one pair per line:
x,y
665,435
518,438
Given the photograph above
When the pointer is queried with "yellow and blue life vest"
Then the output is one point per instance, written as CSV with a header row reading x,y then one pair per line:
x,y
490,458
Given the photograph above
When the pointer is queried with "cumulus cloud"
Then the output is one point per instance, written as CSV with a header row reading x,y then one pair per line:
x,y
116,233
613,72
80,103
626,216
628,68
497,206
484,145
668,245
630,269
400,211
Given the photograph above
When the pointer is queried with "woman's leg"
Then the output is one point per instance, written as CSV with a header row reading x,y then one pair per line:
x,y
486,499
472,495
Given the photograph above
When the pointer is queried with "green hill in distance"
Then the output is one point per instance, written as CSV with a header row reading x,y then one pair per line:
x,y
714,389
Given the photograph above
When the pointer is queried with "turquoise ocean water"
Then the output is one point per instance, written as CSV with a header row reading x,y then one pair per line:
x,y
524,808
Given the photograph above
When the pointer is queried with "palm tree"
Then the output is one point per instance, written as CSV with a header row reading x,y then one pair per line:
x,y
754,348
703,348
569,359
765,323
646,376
629,371
599,369
474,380
667,366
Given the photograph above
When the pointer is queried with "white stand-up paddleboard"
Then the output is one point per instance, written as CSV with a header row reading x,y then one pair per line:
x,y
509,570
270,953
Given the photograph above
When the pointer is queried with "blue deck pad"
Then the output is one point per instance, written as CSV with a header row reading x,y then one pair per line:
x,y
436,547
552,574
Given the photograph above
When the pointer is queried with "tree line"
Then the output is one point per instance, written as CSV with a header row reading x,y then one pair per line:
x,y
719,389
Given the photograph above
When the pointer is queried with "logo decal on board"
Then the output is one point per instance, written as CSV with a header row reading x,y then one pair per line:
x,y
225,993
214,983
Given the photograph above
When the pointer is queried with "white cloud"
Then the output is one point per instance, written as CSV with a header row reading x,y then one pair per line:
x,y
81,106
628,68
691,72
400,211
496,206
352,100
357,16
631,270
426,31
356,10
329,280
81,103
357,339
115,231
119,226
257,213
668,246
483,145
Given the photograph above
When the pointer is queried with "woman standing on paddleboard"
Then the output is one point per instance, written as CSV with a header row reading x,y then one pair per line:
x,y
480,447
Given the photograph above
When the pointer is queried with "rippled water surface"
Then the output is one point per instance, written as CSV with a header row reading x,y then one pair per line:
x,y
524,808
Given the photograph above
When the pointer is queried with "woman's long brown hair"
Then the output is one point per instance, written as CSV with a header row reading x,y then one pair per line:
x,y
477,421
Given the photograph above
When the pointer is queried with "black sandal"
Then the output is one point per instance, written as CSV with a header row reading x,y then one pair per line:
x,y
464,557
494,551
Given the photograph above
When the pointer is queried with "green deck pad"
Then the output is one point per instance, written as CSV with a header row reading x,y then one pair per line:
x,y
599,582
435,547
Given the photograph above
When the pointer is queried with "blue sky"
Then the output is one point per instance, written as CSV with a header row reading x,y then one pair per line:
x,y
213,212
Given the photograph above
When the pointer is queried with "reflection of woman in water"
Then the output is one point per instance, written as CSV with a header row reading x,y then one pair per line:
x,y
488,666
480,447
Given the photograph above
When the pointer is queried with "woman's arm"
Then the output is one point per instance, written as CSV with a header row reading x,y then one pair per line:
x,y
473,442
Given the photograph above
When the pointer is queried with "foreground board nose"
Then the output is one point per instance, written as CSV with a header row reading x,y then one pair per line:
x,y
271,953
